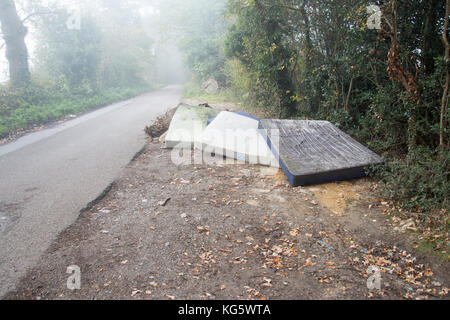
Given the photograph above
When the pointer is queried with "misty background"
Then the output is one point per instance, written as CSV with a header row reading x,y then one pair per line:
x,y
119,19
290,59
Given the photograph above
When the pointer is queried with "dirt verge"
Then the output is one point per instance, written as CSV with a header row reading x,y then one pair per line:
x,y
230,232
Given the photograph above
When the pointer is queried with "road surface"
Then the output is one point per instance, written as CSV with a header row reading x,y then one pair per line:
x,y
47,177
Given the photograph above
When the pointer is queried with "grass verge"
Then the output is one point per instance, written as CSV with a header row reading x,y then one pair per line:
x,y
23,109
194,91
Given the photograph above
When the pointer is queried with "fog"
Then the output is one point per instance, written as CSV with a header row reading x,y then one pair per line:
x,y
117,20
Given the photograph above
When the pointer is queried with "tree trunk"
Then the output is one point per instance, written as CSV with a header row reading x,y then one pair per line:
x,y
398,71
447,82
430,36
347,102
14,34
307,24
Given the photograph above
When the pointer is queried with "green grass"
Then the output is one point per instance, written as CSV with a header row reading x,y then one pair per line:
x,y
37,106
3,130
427,247
194,91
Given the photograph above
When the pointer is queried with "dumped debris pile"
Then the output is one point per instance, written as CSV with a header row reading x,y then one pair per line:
x,y
309,152
161,124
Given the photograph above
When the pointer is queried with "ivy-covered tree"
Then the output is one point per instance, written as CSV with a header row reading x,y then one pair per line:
x,y
13,33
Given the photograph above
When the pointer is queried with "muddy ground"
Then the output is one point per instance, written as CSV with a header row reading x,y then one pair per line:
x,y
232,232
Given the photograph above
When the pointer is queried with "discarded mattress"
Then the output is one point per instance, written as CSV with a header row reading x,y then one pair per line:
x,y
245,114
242,113
313,152
209,121
187,125
237,136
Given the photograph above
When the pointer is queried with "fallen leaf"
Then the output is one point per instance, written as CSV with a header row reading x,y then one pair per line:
x,y
309,263
136,292
202,229
164,203
428,273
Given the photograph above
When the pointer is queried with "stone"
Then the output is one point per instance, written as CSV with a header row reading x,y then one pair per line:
x,y
237,137
314,152
187,125
211,86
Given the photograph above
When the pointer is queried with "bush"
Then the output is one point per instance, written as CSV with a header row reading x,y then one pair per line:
x,y
36,105
238,78
193,89
3,130
419,182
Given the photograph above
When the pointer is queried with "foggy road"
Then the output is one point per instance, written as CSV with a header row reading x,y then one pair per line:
x,y
47,177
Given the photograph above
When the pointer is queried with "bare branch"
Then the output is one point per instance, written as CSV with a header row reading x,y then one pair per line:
x,y
35,14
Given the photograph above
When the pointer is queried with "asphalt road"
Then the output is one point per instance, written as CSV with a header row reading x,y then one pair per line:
x,y
47,177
